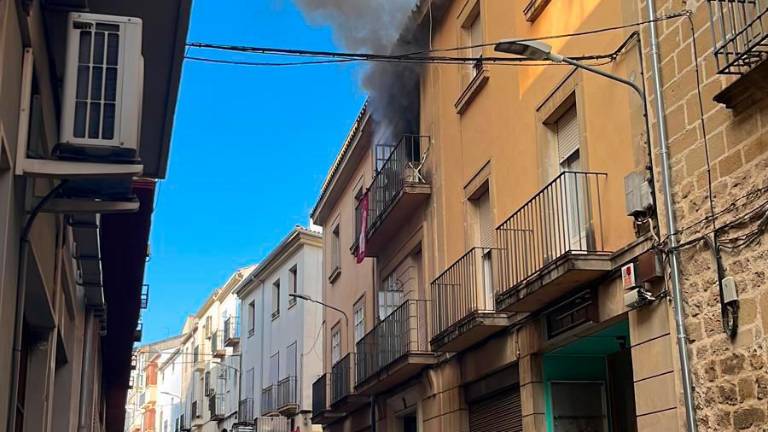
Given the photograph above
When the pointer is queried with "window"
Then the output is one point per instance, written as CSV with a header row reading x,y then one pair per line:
x,y
251,318
335,251
359,318
292,360
195,354
483,234
335,344
534,8
358,216
568,145
293,280
274,368
207,383
390,295
473,36
276,299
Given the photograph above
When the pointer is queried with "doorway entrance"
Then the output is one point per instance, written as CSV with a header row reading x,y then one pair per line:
x,y
588,384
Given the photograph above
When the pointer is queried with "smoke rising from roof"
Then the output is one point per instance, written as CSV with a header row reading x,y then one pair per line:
x,y
377,26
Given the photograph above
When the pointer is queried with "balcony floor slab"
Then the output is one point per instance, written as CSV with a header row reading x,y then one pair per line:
x,y
473,328
396,373
559,277
403,206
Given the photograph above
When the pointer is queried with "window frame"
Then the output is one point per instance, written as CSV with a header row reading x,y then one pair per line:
x,y
335,252
293,284
251,318
359,326
335,343
276,299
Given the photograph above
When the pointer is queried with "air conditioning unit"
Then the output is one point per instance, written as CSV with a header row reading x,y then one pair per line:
x,y
103,87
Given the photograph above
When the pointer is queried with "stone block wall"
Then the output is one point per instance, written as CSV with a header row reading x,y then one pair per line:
x,y
731,381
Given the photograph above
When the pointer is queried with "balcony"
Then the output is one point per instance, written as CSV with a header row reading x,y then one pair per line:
x,y
216,407
320,413
195,414
232,331
287,402
552,244
464,311
740,33
217,345
395,350
269,400
343,396
144,302
245,413
272,424
397,191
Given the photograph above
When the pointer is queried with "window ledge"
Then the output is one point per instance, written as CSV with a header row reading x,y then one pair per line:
x,y
534,8
473,89
335,273
275,315
747,90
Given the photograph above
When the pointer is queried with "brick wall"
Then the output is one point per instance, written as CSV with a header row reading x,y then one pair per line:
x,y
731,384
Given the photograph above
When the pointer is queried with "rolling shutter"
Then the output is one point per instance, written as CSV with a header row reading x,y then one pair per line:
x,y
567,134
485,220
501,412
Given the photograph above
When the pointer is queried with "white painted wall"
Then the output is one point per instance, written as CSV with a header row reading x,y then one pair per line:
x,y
300,324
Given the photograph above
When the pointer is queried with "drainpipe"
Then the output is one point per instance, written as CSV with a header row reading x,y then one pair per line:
x,y
21,292
86,382
674,258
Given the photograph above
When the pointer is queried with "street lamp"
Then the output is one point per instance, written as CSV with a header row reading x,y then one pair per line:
x,y
326,305
537,50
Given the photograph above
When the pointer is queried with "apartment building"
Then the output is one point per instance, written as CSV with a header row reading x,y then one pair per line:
x,y
169,406
145,399
211,361
282,338
516,245
86,113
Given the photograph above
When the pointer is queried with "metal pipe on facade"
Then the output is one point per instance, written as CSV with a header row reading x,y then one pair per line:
x,y
674,258
86,375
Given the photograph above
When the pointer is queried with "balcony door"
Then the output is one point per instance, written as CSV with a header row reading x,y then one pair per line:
x,y
574,184
484,231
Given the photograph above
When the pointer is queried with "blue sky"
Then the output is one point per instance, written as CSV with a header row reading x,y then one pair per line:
x,y
250,149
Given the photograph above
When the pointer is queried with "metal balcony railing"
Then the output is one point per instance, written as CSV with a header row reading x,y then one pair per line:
x,y
320,395
403,166
144,296
287,394
231,330
273,424
245,412
216,406
268,400
562,218
740,33
403,332
466,287
341,378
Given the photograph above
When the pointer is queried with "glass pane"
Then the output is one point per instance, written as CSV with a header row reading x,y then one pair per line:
x,y
85,47
113,48
94,120
80,116
83,74
98,48
579,406
97,81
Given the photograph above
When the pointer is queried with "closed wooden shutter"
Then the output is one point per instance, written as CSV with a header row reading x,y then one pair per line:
x,y
567,134
500,413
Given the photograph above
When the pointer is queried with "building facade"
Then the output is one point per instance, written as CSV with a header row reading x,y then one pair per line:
x,y
145,397
515,245
281,338
76,207
210,372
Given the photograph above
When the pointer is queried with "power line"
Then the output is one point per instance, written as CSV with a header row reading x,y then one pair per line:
x,y
332,57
